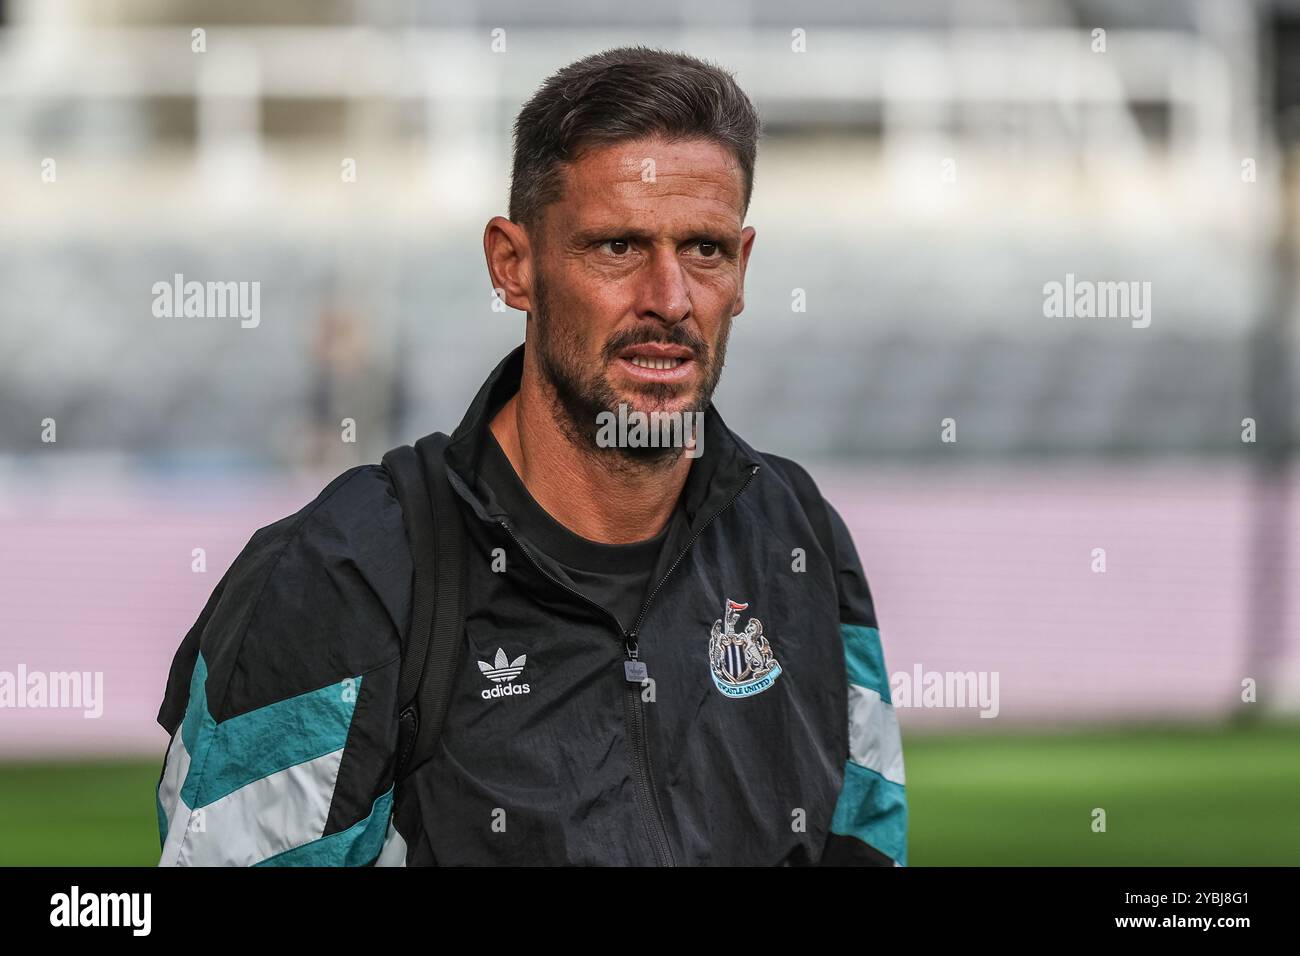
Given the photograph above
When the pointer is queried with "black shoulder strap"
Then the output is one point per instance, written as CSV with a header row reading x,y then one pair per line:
x,y
435,532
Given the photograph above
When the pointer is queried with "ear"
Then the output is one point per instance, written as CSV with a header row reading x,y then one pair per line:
x,y
510,262
747,236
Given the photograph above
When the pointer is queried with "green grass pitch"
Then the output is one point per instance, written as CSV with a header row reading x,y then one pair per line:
x,y
1224,795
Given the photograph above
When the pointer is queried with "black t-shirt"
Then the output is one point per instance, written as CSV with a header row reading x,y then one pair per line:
x,y
615,576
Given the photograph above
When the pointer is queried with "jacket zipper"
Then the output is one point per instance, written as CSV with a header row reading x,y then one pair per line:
x,y
653,818
698,531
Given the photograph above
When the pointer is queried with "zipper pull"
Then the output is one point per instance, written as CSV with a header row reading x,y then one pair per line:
x,y
633,668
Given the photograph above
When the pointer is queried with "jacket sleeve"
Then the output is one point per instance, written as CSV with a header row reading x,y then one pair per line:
x,y
869,825
280,702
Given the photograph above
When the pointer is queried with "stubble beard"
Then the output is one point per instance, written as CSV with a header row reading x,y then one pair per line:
x,y
579,395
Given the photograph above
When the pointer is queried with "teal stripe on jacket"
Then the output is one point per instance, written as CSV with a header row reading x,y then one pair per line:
x,y
358,845
874,810
864,659
870,807
238,751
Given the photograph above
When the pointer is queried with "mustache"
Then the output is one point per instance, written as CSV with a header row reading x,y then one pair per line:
x,y
646,335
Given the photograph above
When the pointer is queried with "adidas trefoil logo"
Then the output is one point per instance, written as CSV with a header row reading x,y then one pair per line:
x,y
502,672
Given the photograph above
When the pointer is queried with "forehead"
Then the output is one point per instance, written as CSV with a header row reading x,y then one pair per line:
x,y
651,181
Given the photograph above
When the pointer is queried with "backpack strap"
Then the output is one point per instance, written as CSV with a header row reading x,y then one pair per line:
x,y
435,532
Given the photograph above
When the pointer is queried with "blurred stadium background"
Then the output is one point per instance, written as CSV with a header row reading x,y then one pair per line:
x,y
927,167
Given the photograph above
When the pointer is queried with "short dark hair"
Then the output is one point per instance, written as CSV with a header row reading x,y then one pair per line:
x,y
619,95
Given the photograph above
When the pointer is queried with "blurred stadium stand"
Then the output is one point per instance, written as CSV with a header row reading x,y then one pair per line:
x,y
1126,169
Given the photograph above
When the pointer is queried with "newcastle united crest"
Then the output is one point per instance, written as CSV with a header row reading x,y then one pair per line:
x,y
742,663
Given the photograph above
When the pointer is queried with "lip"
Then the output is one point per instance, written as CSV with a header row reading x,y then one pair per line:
x,y
657,350
681,372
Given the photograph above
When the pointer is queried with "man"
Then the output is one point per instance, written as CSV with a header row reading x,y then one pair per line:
x,y
670,653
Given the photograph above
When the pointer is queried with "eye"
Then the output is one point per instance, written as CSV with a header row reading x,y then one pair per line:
x,y
707,248
617,247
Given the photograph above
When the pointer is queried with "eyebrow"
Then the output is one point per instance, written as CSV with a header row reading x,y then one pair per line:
x,y
599,234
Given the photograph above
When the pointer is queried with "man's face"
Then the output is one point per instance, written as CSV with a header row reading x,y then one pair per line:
x,y
638,271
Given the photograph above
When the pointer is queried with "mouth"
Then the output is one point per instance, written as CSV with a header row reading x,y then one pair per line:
x,y
653,362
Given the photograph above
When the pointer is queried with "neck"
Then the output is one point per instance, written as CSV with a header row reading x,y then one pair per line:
x,y
596,494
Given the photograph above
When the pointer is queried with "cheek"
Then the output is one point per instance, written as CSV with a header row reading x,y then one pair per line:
x,y
593,309
714,301
716,291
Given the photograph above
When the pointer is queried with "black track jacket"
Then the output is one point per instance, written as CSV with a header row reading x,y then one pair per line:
x,y
765,735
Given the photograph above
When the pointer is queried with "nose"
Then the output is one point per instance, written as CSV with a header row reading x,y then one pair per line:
x,y
665,294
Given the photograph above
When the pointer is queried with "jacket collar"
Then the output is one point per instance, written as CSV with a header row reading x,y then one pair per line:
x,y
715,477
